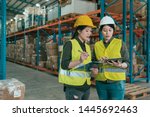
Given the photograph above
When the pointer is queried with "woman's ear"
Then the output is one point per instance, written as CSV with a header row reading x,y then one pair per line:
x,y
79,31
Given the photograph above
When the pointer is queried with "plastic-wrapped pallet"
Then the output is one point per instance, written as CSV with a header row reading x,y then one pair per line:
x,y
52,12
19,22
12,27
34,16
71,6
76,6
11,89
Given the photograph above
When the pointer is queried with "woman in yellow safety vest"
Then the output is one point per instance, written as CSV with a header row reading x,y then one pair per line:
x,y
111,75
75,54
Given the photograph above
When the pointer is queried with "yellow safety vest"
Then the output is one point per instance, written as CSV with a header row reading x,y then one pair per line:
x,y
75,77
112,51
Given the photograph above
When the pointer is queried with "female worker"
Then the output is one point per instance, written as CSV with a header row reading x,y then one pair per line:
x,y
75,53
111,75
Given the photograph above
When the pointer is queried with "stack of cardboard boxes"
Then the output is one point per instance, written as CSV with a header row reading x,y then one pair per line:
x,y
52,55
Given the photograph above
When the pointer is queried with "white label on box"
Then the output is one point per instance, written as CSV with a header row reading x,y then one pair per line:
x,y
17,93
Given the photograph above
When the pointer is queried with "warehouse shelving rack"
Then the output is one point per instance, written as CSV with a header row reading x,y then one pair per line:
x,y
62,26
139,33
58,27
142,38
2,39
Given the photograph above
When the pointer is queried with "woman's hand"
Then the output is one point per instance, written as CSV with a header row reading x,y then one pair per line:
x,y
104,60
118,64
84,55
94,72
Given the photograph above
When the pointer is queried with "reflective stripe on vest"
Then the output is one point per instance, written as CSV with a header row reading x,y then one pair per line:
x,y
111,70
77,74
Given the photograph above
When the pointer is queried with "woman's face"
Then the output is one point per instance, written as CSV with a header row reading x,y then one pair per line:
x,y
107,32
84,35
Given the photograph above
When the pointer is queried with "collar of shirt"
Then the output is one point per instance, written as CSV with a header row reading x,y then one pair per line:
x,y
106,44
82,44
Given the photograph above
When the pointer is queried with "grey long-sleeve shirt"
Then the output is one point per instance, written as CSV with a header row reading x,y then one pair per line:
x,y
124,52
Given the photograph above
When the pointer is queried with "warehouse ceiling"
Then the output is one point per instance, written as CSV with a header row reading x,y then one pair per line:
x,y
17,6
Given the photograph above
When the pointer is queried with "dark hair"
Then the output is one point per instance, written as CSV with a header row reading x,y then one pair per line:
x,y
77,29
111,25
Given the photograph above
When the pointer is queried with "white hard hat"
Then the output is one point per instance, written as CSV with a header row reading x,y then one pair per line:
x,y
106,20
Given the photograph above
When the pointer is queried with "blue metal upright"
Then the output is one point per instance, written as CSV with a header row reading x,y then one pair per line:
x,y
38,47
59,31
139,34
2,39
148,40
102,6
131,42
124,20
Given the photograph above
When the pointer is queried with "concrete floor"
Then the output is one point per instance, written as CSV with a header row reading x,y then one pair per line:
x,y
43,86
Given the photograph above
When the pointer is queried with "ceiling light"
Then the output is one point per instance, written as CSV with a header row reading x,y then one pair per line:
x,y
38,5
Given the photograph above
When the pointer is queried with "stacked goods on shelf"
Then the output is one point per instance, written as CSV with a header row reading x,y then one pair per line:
x,y
65,2
65,38
52,56
52,12
10,27
11,89
138,61
42,52
43,55
34,16
20,50
39,16
11,51
118,6
140,65
28,53
70,6
19,22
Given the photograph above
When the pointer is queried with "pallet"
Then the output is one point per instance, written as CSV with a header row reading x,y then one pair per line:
x,y
64,17
70,15
134,92
53,21
31,27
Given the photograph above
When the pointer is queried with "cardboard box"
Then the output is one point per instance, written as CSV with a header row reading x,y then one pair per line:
x,y
11,89
118,7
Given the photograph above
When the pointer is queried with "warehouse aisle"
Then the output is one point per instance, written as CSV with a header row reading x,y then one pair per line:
x,y
39,85
44,86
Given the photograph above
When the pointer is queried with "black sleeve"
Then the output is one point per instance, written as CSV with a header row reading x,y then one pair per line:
x,y
94,59
93,56
66,55
125,53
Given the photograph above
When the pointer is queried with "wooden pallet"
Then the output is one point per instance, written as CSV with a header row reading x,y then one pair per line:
x,y
70,15
135,91
53,21
64,17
